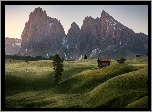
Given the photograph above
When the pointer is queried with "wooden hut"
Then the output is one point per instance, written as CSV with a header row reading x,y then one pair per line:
x,y
102,62
120,60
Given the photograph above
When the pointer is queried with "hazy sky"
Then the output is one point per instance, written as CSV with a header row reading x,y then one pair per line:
x,y
134,17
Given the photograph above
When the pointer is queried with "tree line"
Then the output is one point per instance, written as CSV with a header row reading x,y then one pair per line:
x,y
30,58
27,58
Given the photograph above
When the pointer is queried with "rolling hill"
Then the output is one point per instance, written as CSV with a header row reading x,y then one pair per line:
x,y
83,85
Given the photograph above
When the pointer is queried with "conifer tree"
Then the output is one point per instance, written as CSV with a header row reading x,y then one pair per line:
x,y
58,68
85,57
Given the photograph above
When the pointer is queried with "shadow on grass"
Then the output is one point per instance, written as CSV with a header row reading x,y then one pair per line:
x,y
16,84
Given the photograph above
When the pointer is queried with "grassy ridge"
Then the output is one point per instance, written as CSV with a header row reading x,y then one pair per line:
x,y
126,88
37,75
88,79
137,60
140,103
82,85
116,92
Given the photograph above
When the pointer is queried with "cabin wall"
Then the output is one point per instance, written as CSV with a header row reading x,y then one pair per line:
x,y
103,63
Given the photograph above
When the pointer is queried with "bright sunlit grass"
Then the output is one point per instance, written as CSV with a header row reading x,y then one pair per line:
x,y
83,84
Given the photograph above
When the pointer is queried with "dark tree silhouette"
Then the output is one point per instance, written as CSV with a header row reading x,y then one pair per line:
x,y
58,68
85,57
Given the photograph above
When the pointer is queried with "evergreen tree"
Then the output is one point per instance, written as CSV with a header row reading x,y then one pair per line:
x,y
58,68
85,57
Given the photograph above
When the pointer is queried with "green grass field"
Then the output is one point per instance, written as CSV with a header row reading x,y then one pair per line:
x,y
83,85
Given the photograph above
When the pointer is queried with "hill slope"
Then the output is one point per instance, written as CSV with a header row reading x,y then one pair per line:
x,y
88,79
82,85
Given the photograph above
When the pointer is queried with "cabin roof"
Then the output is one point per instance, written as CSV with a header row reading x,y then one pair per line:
x,y
104,59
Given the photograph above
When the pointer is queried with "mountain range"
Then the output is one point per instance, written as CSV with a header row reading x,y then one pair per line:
x,y
100,37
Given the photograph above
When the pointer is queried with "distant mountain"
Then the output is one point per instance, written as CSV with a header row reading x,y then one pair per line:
x,y
42,35
12,45
100,37
105,36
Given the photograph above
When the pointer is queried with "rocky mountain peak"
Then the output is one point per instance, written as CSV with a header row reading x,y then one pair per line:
x,y
103,36
37,14
88,18
37,10
103,14
73,34
74,26
42,35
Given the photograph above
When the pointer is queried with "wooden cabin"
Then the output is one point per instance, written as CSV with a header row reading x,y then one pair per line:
x,y
102,62
120,60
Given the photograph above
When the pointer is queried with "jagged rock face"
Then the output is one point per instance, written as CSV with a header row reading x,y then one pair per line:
x,y
73,34
105,35
98,37
72,38
138,43
42,35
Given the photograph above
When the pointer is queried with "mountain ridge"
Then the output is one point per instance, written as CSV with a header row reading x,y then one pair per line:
x,y
98,37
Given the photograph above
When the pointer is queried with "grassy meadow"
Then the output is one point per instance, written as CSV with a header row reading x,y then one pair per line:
x,y
83,84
